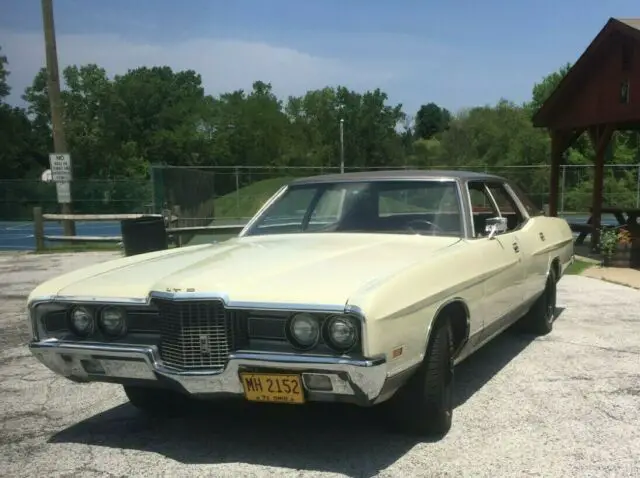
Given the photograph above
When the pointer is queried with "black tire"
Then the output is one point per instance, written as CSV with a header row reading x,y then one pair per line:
x,y
540,318
157,401
424,405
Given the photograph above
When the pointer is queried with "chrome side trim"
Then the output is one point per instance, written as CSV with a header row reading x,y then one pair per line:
x,y
365,376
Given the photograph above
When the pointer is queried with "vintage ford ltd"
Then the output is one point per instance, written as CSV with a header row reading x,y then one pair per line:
x,y
366,288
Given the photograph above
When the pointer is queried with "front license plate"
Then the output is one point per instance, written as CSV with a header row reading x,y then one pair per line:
x,y
274,388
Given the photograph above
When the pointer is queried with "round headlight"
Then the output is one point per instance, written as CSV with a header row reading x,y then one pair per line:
x,y
342,333
82,321
304,330
113,321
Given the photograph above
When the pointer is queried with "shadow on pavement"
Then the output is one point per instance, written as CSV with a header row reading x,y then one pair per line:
x,y
318,437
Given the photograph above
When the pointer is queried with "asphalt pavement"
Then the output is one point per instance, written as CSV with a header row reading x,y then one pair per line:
x,y
567,404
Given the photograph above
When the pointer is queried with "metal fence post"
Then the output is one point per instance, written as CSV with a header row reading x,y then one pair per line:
x,y
237,193
562,187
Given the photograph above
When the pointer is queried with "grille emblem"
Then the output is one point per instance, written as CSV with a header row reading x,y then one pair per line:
x,y
205,346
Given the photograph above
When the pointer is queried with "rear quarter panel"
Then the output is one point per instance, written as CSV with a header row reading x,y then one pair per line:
x,y
559,238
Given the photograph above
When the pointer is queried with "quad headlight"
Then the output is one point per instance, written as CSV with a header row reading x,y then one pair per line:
x,y
113,321
82,320
341,333
303,331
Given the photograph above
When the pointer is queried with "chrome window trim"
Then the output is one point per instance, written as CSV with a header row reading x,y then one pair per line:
x,y
261,211
464,232
516,199
510,192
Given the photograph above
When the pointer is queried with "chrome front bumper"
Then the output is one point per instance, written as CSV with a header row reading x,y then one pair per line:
x,y
358,381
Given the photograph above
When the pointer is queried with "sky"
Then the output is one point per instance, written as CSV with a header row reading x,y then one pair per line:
x,y
458,53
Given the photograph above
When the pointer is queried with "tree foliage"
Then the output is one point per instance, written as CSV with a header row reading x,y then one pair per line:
x,y
117,127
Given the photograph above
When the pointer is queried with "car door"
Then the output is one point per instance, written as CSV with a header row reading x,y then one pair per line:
x,y
502,260
537,243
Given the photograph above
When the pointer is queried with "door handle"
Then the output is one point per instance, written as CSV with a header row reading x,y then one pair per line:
x,y
516,248
541,236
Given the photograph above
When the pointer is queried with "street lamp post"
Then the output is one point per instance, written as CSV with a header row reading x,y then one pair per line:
x,y
341,146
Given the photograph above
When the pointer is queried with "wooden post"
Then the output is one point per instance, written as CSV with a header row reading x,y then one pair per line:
x,y
556,158
38,228
600,137
55,101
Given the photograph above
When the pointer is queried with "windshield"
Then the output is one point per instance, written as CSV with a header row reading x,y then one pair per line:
x,y
395,207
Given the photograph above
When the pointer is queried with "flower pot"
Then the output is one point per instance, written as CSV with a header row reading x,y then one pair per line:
x,y
621,257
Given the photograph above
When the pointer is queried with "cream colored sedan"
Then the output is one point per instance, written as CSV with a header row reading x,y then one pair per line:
x,y
365,288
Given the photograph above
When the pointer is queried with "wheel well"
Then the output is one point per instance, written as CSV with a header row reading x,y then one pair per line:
x,y
458,316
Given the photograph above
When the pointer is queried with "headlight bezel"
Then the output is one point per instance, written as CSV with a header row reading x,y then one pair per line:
x,y
90,313
328,335
291,336
122,330
324,342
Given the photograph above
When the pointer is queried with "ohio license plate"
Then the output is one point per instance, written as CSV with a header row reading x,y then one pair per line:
x,y
273,388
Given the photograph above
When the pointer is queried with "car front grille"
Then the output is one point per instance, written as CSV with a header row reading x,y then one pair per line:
x,y
195,335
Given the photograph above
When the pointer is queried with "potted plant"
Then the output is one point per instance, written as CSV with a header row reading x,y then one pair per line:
x,y
615,243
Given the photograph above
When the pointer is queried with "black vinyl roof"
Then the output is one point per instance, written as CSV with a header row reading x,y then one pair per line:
x,y
397,175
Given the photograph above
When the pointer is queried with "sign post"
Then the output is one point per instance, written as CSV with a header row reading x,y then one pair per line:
x,y
60,164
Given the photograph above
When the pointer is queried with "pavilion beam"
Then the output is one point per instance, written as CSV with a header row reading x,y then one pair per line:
x,y
600,137
556,159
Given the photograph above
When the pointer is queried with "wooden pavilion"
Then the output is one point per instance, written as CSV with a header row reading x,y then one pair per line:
x,y
599,95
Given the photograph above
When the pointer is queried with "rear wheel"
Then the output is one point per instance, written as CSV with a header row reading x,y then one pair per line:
x,y
539,320
156,401
424,405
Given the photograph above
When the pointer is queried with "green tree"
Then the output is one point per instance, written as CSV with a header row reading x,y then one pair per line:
x,y
431,119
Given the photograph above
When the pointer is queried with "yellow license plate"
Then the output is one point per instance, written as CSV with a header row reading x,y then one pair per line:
x,y
274,388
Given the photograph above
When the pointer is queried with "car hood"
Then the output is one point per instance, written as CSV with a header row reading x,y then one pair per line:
x,y
297,269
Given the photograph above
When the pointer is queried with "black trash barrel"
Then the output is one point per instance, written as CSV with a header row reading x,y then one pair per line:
x,y
144,234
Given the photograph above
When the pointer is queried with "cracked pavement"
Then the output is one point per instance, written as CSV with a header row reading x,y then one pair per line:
x,y
563,405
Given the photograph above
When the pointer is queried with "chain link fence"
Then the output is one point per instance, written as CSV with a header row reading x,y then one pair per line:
x,y
240,190
18,197
231,193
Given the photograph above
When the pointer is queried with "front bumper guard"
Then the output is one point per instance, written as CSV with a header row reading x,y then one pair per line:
x,y
361,381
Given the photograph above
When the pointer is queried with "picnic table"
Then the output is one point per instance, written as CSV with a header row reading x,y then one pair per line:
x,y
625,216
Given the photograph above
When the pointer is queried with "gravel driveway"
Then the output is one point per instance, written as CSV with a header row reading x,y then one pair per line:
x,y
563,405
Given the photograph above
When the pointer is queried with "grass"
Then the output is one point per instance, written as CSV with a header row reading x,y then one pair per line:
x,y
579,266
246,201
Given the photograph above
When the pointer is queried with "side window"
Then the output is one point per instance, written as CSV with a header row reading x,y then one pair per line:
x,y
531,208
507,206
482,207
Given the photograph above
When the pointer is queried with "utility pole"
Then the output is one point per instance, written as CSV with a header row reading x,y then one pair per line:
x,y
53,86
341,146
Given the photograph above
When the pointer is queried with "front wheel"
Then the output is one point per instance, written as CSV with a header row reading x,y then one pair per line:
x,y
424,405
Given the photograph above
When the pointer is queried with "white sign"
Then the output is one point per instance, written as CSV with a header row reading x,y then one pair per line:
x,y
60,167
63,191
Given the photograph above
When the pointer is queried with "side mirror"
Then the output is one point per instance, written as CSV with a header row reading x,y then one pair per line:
x,y
495,225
